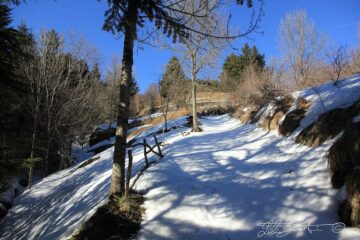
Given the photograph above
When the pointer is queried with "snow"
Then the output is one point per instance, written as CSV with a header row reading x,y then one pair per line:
x,y
142,118
106,126
222,183
13,190
218,184
356,119
268,112
343,95
56,206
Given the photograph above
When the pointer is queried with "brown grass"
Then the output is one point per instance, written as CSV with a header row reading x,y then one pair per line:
x,y
158,120
282,106
328,125
245,116
353,190
349,209
292,119
344,155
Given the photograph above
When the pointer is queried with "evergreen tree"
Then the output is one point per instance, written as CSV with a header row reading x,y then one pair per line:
x,y
171,85
173,73
235,65
10,86
12,94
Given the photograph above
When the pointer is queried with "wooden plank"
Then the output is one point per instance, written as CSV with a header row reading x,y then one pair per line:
x,y
145,152
158,146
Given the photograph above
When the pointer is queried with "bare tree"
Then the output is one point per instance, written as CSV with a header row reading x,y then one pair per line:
x,y
150,97
302,45
199,51
112,83
338,60
62,99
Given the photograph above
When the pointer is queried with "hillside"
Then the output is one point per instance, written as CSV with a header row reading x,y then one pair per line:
x,y
223,183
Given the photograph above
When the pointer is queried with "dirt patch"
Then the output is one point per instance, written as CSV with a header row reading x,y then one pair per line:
x,y
328,125
293,118
119,219
344,155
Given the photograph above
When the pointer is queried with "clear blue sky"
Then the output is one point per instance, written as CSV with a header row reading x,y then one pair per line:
x,y
338,18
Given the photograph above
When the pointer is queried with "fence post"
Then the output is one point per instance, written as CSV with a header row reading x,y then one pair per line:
x,y
145,153
128,175
158,146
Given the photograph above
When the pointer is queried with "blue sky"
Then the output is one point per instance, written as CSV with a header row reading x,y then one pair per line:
x,y
338,18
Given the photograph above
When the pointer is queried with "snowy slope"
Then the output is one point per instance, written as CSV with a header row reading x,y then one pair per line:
x,y
61,202
223,182
217,184
343,95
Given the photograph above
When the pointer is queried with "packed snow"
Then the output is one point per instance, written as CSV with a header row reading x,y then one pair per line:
x,y
223,183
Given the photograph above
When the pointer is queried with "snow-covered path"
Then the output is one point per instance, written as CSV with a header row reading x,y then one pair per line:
x,y
217,184
223,182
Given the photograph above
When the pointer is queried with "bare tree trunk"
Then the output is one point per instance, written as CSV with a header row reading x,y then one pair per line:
x,y
118,171
193,91
165,114
48,145
33,142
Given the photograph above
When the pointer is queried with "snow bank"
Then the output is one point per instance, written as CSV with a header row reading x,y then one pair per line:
x,y
343,95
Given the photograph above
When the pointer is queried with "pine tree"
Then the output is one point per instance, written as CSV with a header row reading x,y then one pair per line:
x,y
12,93
173,73
171,82
235,65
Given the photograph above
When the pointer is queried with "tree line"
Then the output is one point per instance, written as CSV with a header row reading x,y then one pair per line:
x,y
51,98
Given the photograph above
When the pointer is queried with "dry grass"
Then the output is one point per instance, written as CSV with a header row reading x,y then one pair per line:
x,y
245,116
158,120
344,155
328,125
281,107
212,95
292,119
353,190
349,209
